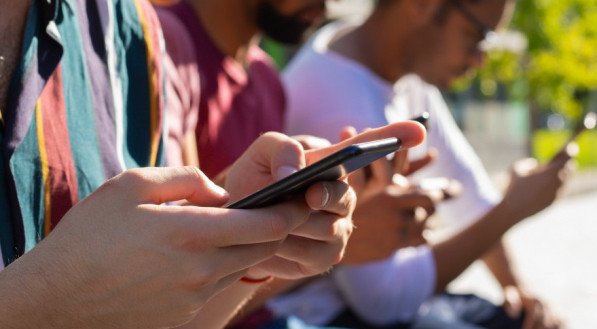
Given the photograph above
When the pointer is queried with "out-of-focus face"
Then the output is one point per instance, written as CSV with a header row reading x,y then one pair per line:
x,y
287,20
448,47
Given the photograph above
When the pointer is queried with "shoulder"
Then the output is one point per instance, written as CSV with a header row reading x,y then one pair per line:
x,y
265,77
262,65
325,78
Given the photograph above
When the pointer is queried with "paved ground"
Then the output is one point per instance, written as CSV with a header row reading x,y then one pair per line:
x,y
555,254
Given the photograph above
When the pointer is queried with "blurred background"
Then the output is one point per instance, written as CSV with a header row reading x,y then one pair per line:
x,y
539,80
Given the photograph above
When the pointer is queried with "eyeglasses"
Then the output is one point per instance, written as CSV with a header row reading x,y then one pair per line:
x,y
488,35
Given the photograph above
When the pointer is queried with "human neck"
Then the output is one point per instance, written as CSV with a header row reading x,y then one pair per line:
x,y
378,51
230,24
12,25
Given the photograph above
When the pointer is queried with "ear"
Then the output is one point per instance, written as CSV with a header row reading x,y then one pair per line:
x,y
423,11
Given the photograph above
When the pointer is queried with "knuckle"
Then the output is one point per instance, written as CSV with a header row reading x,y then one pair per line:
x,y
133,177
331,226
269,249
194,172
271,135
346,227
338,258
337,228
304,271
293,145
334,255
351,197
126,184
201,278
278,225
342,197
279,140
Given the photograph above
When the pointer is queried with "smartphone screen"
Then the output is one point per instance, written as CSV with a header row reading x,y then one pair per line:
x,y
332,167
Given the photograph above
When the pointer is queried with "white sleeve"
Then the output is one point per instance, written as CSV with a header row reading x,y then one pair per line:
x,y
390,290
456,159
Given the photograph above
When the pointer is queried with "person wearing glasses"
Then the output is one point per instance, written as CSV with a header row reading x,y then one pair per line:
x,y
386,69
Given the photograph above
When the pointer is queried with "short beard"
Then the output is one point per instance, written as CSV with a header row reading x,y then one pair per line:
x,y
284,29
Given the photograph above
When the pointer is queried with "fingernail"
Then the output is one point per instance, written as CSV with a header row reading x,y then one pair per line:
x,y
217,189
285,171
326,195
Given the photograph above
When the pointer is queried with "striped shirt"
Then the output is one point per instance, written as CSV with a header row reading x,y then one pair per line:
x,y
85,103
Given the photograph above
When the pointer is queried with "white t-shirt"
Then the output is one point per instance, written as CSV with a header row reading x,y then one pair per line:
x,y
326,92
381,292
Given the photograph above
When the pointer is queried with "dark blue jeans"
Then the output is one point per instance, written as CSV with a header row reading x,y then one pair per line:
x,y
445,311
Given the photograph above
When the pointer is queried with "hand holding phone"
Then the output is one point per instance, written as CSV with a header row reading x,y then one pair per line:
x,y
332,167
587,122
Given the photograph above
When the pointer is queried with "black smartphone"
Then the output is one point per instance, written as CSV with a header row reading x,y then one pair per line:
x,y
587,122
330,168
423,119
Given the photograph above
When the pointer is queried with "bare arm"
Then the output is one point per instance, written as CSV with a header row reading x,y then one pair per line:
x,y
266,292
112,261
454,255
498,262
531,190
517,298
227,303
238,301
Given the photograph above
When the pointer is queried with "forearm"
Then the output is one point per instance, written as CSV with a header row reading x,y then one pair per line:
x,y
498,263
219,311
455,254
272,289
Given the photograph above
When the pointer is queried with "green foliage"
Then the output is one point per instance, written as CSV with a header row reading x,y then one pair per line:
x,y
561,59
547,143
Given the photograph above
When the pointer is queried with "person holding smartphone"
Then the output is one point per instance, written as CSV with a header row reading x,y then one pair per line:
x,y
91,240
387,68
241,91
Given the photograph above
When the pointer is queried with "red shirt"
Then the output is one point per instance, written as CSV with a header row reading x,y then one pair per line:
x,y
237,103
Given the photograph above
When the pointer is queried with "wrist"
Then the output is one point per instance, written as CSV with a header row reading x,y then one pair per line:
x,y
26,297
508,212
40,290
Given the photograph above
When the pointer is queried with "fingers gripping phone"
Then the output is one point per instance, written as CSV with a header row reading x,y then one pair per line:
x,y
330,168
587,122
